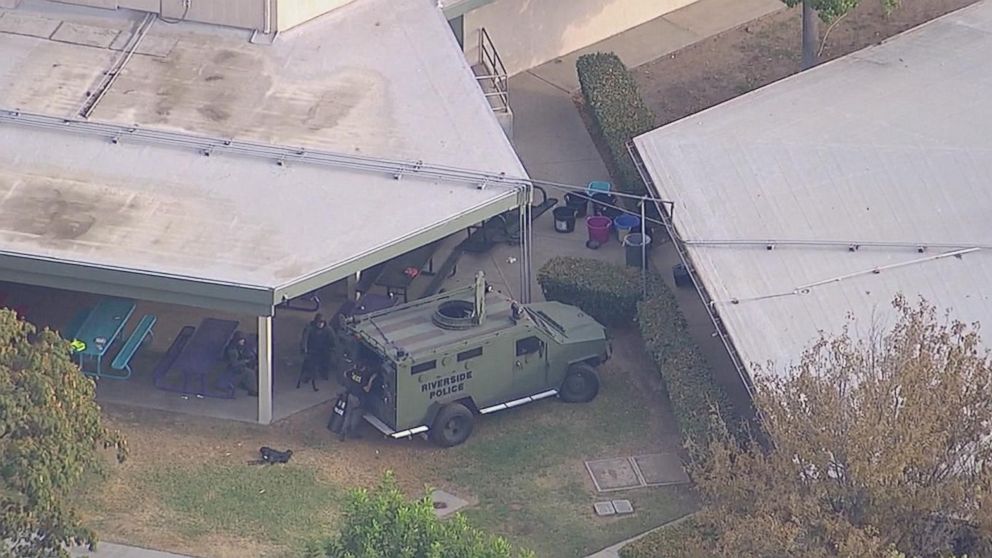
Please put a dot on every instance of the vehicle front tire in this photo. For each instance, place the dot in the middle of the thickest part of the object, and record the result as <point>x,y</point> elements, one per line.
<point>581,384</point>
<point>452,425</point>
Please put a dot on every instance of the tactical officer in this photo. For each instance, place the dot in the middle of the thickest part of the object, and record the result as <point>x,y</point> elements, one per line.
<point>320,348</point>
<point>242,364</point>
<point>311,325</point>
<point>359,380</point>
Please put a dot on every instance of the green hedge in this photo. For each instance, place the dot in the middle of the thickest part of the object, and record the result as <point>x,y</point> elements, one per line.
<point>692,390</point>
<point>617,110</point>
<point>605,291</point>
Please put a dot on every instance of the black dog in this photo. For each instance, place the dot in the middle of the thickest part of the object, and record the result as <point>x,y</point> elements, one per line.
<point>272,456</point>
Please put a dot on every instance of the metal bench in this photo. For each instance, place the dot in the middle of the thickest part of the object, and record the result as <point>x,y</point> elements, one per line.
<point>199,357</point>
<point>123,359</point>
<point>170,356</point>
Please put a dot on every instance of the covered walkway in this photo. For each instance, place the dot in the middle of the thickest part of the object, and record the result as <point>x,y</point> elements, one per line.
<point>214,173</point>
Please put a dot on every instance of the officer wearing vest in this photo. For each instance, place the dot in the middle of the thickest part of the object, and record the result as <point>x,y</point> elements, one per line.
<point>359,380</point>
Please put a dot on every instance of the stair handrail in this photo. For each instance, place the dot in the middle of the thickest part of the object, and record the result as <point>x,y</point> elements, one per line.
<point>490,59</point>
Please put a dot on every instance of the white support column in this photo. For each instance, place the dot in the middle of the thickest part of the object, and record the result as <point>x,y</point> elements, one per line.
<point>351,285</point>
<point>264,369</point>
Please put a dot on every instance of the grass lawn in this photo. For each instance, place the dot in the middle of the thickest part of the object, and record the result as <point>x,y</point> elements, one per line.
<point>188,487</point>
<point>286,504</point>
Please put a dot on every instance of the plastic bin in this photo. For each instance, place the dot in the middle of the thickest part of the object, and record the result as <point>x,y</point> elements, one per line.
<point>598,186</point>
<point>599,228</point>
<point>603,203</point>
<point>681,275</point>
<point>624,224</point>
<point>636,245</point>
<point>564,219</point>
<point>577,201</point>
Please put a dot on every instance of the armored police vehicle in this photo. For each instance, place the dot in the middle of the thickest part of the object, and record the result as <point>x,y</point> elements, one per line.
<point>444,359</point>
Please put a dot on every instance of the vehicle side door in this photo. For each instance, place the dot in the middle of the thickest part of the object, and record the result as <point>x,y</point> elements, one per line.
<point>530,365</point>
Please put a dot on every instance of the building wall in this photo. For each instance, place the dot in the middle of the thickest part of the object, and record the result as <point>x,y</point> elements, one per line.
<point>294,12</point>
<point>528,33</point>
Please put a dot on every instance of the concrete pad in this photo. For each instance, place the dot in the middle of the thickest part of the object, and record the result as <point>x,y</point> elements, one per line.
<point>613,474</point>
<point>446,503</point>
<point>87,35</point>
<point>660,469</point>
<point>604,509</point>
<point>636,46</point>
<point>549,134</point>
<point>709,17</point>
<point>53,308</point>
<point>151,45</point>
<point>623,507</point>
<point>25,24</point>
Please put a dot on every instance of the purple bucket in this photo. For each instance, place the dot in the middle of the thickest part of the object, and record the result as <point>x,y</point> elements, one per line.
<point>599,228</point>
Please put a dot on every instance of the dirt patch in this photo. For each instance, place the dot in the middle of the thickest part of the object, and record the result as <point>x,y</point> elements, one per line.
<point>765,50</point>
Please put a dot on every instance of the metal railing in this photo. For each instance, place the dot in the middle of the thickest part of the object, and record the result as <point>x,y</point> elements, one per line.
<point>494,79</point>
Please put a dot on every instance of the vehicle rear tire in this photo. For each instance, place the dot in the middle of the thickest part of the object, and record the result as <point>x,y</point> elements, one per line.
<point>581,384</point>
<point>452,425</point>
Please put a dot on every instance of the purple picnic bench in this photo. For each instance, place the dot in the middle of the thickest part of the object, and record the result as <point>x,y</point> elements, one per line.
<point>194,356</point>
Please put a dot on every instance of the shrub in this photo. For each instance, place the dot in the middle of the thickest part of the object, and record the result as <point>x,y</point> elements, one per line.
<point>692,390</point>
<point>617,110</point>
<point>382,523</point>
<point>605,291</point>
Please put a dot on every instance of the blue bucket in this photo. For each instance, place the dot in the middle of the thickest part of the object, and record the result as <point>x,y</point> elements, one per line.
<point>623,224</point>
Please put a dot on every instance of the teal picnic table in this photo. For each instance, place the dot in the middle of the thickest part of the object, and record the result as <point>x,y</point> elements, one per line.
<point>103,325</point>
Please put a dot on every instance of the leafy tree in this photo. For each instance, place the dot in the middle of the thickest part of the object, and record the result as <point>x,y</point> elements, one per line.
<point>50,434</point>
<point>830,12</point>
<point>877,446</point>
<point>381,523</point>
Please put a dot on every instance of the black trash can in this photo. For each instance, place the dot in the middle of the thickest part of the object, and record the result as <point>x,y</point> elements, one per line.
<point>649,231</point>
<point>564,219</point>
<point>601,202</point>
<point>681,275</point>
<point>577,201</point>
<point>636,245</point>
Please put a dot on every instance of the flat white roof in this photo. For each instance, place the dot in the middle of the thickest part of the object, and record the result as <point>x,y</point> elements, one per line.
<point>373,79</point>
<point>885,152</point>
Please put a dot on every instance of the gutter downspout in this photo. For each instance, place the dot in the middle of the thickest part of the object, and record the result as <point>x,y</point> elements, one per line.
<point>267,12</point>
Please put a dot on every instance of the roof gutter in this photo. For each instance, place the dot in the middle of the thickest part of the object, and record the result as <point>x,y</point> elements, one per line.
<point>454,224</point>
<point>143,285</point>
<point>455,8</point>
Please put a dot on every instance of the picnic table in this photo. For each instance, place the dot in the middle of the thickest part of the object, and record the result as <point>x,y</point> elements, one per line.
<point>200,356</point>
<point>99,330</point>
<point>400,271</point>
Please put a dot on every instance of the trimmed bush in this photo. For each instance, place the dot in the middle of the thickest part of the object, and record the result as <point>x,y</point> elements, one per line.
<point>617,110</point>
<point>382,523</point>
<point>692,390</point>
<point>605,291</point>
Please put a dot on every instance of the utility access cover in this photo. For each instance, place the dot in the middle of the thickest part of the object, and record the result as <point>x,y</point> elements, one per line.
<point>613,474</point>
<point>660,468</point>
<point>623,473</point>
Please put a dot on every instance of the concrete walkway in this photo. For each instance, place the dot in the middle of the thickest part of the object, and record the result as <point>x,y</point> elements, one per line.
<point>110,550</point>
<point>614,551</point>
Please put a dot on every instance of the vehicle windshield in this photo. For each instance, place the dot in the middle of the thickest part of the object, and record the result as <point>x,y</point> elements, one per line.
<point>549,325</point>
